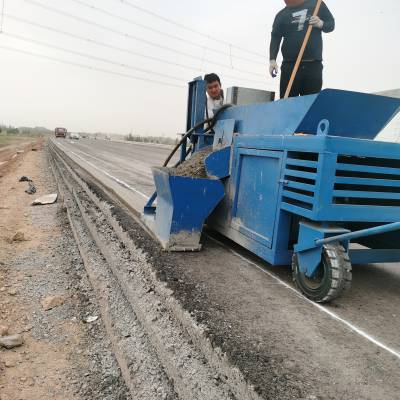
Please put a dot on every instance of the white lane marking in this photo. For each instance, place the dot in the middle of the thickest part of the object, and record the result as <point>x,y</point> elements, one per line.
<point>119,181</point>
<point>89,155</point>
<point>147,172</point>
<point>333,315</point>
<point>324,310</point>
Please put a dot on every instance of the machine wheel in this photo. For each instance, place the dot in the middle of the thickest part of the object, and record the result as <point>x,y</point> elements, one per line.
<point>333,275</point>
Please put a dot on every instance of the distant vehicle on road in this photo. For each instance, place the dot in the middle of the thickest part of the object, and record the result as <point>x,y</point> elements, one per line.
<point>60,133</point>
<point>74,136</point>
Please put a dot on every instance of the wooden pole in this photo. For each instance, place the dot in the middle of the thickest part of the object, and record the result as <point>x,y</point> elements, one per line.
<point>302,50</point>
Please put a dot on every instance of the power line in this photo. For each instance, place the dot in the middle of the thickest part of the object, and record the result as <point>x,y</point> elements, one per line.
<point>89,56</point>
<point>165,34</point>
<point>129,36</point>
<point>89,67</point>
<point>187,28</point>
<point>120,49</point>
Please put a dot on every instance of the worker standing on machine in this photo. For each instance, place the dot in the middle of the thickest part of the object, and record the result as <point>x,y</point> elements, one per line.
<point>215,94</point>
<point>291,24</point>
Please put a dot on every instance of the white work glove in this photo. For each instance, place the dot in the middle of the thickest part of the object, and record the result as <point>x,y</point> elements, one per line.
<point>273,68</point>
<point>316,22</point>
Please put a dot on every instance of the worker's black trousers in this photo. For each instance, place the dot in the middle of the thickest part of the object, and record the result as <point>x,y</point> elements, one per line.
<point>308,79</point>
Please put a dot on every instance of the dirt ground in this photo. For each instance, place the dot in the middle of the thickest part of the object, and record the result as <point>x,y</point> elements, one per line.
<point>12,152</point>
<point>63,355</point>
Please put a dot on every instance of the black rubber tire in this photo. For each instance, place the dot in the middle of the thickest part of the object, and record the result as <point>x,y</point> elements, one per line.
<point>333,275</point>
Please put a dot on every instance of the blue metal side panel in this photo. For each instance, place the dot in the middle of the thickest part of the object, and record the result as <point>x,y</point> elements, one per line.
<point>328,148</point>
<point>326,176</point>
<point>301,174</point>
<point>196,111</point>
<point>362,148</point>
<point>369,195</point>
<point>311,143</point>
<point>330,208</point>
<point>275,251</point>
<point>256,194</point>
<point>217,163</point>
<point>350,114</point>
<point>300,197</point>
<point>193,201</point>
<point>298,211</point>
<point>321,144</point>
<point>183,203</point>
<point>367,181</point>
<point>196,103</point>
<point>273,118</point>
<point>353,213</point>
<point>368,168</point>
<point>283,225</point>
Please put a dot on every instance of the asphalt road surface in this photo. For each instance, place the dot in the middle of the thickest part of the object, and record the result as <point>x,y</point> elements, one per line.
<point>352,345</point>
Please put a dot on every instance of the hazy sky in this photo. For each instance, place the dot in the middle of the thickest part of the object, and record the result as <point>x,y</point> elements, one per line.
<point>362,54</point>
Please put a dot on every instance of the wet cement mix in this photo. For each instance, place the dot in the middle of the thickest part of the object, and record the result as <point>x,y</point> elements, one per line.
<point>46,300</point>
<point>194,166</point>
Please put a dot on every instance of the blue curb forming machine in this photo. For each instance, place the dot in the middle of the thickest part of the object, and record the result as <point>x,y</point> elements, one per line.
<point>294,181</point>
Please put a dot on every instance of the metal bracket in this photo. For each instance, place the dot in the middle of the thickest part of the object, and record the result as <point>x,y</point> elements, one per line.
<point>149,209</point>
<point>223,133</point>
<point>323,127</point>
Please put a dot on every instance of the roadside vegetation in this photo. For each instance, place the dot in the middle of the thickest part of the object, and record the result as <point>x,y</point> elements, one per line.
<point>10,134</point>
<point>150,139</point>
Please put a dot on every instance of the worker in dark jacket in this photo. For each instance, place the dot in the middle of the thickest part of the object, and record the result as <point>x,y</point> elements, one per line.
<point>291,24</point>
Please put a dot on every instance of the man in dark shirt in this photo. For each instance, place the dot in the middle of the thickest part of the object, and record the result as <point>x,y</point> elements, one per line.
<point>291,24</point>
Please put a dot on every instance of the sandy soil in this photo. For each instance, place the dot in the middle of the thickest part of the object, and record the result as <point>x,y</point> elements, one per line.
<point>12,153</point>
<point>62,356</point>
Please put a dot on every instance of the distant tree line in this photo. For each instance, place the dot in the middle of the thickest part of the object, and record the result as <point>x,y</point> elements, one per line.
<point>24,131</point>
<point>41,131</point>
<point>150,139</point>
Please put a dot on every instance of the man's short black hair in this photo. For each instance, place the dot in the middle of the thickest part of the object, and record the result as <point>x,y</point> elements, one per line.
<point>210,78</point>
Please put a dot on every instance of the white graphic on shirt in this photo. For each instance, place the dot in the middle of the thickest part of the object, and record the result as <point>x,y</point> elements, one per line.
<point>300,18</point>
